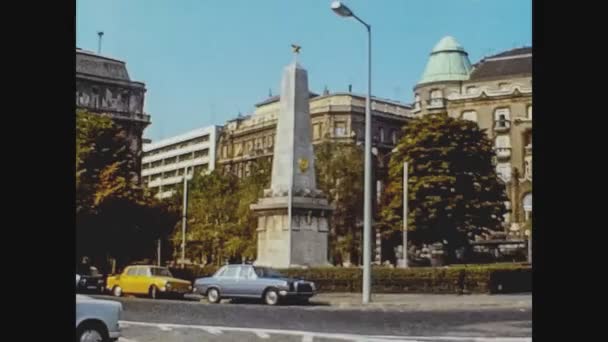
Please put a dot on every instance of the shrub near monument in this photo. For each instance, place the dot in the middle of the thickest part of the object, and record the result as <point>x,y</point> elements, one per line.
<point>498,278</point>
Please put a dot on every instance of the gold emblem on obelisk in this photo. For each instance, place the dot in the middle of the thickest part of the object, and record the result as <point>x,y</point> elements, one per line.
<point>303,163</point>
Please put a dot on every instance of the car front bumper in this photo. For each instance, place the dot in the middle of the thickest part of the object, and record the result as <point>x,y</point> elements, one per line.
<point>114,335</point>
<point>293,294</point>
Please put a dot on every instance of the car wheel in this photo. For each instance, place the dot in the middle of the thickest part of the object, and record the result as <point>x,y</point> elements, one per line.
<point>213,296</point>
<point>153,292</point>
<point>91,333</point>
<point>117,291</point>
<point>271,297</point>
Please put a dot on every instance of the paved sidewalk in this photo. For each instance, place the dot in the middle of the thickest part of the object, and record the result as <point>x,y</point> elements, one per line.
<point>428,301</point>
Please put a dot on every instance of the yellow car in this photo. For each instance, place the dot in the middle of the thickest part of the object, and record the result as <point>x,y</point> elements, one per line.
<point>147,280</point>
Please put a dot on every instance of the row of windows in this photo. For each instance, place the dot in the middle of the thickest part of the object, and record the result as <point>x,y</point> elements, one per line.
<point>247,147</point>
<point>502,116</point>
<point>340,130</point>
<point>176,159</point>
<point>175,173</point>
<point>179,145</point>
<point>436,95</point>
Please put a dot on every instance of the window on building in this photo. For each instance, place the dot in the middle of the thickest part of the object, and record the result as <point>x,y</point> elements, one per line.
<point>180,172</point>
<point>169,174</point>
<point>502,118</point>
<point>394,137</point>
<point>340,129</point>
<point>417,101</point>
<point>528,167</point>
<point>436,97</point>
<point>469,115</point>
<point>201,153</point>
<point>527,205</point>
<point>471,90</point>
<point>503,170</point>
<point>171,160</point>
<point>381,132</point>
<point>186,156</point>
<point>316,131</point>
<point>157,163</point>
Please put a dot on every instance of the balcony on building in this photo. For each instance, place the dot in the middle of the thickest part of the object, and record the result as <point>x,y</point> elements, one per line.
<point>503,152</point>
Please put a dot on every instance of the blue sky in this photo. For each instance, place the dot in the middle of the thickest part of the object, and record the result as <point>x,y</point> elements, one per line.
<point>203,61</point>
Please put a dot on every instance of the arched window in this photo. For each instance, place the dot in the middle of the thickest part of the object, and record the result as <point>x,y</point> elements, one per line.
<point>469,115</point>
<point>502,118</point>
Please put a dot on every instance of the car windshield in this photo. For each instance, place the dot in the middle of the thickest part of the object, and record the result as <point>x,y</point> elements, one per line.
<point>161,272</point>
<point>267,273</point>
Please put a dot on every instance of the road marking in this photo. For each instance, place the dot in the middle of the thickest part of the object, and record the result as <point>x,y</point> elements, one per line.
<point>261,334</point>
<point>165,328</point>
<point>211,330</point>
<point>308,335</point>
<point>307,338</point>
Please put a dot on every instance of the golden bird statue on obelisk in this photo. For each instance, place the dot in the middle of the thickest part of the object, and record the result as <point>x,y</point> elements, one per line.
<point>296,51</point>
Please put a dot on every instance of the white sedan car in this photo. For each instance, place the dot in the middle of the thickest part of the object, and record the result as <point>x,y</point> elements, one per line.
<point>97,320</point>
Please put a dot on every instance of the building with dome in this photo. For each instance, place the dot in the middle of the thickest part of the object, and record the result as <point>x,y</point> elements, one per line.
<point>496,92</point>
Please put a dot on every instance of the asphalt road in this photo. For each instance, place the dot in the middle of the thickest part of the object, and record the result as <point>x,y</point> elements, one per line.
<point>191,320</point>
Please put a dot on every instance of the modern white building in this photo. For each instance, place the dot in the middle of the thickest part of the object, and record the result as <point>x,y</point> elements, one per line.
<point>165,161</point>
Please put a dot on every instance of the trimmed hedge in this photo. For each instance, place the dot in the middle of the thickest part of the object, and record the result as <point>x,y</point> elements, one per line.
<point>497,278</point>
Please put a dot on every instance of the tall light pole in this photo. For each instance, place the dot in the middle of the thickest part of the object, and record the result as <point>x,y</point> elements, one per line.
<point>342,10</point>
<point>405,177</point>
<point>184,212</point>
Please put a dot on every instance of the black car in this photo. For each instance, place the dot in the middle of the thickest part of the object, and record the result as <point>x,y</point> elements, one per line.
<point>91,280</point>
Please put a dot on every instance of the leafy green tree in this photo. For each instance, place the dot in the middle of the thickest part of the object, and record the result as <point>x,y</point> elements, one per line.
<point>339,169</point>
<point>221,224</point>
<point>115,216</point>
<point>454,193</point>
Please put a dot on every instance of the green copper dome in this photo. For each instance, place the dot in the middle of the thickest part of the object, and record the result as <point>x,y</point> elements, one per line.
<point>448,62</point>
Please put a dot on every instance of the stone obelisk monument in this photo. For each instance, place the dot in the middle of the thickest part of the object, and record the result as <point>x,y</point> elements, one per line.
<point>293,214</point>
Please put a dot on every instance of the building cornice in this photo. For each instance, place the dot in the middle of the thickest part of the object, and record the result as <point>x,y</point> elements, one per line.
<point>487,93</point>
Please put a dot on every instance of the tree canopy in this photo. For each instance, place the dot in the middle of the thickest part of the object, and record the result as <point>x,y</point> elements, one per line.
<point>453,189</point>
<point>115,215</point>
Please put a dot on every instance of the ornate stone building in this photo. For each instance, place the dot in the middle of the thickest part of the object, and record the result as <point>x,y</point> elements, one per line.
<point>338,117</point>
<point>496,93</point>
<point>103,86</point>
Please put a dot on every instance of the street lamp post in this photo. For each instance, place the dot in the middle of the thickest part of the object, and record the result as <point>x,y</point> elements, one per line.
<point>184,212</point>
<point>342,10</point>
<point>405,178</point>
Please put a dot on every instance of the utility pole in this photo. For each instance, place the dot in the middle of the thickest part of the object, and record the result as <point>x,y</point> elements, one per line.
<point>184,215</point>
<point>405,177</point>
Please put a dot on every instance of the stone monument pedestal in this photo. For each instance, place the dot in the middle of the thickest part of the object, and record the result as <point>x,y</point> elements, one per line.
<point>307,245</point>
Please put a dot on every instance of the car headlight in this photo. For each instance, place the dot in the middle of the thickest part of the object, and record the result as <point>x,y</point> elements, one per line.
<point>168,285</point>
